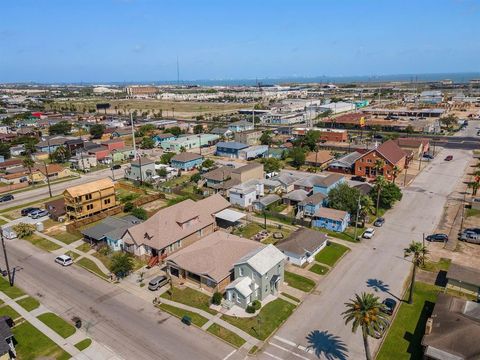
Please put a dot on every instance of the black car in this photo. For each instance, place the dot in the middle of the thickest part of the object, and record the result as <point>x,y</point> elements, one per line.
<point>116,167</point>
<point>379,222</point>
<point>390,305</point>
<point>428,156</point>
<point>359,178</point>
<point>437,238</point>
<point>7,197</point>
<point>28,210</point>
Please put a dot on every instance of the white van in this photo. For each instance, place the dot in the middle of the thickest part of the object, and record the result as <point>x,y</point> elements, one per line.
<point>64,260</point>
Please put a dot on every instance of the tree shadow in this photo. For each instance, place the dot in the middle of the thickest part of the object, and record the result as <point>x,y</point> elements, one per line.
<point>378,285</point>
<point>415,339</point>
<point>330,346</point>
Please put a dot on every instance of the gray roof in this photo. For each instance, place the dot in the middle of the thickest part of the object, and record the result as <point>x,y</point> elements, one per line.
<point>263,259</point>
<point>314,199</point>
<point>232,145</point>
<point>5,333</point>
<point>186,156</point>
<point>347,160</point>
<point>218,174</point>
<point>464,274</point>
<point>240,123</point>
<point>364,188</point>
<point>112,227</point>
<point>269,199</point>
<point>302,241</point>
<point>296,195</point>
<point>219,131</point>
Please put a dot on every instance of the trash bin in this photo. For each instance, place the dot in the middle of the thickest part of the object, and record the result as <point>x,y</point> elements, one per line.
<point>77,322</point>
<point>187,320</point>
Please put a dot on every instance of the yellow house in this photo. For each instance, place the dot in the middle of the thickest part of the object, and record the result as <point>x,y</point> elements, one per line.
<point>89,199</point>
<point>54,171</point>
<point>40,156</point>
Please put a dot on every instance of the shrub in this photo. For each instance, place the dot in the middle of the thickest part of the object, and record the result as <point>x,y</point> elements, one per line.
<point>256,304</point>
<point>23,229</point>
<point>121,264</point>
<point>128,206</point>
<point>217,298</point>
<point>139,213</point>
<point>195,178</point>
<point>104,250</point>
<point>250,309</point>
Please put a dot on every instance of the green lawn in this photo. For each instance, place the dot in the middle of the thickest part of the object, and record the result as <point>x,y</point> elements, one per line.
<point>11,291</point>
<point>403,340</point>
<point>29,303</point>
<point>72,254</point>
<point>90,265</point>
<point>41,242</point>
<point>197,319</point>
<point>226,335</point>
<point>57,324</point>
<point>331,253</point>
<point>2,222</point>
<point>472,212</point>
<point>32,344</point>
<point>8,311</point>
<point>291,297</point>
<point>82,345</point>
<point>270,317</point>
<point>299,282</point>
<point>65,237</point>
<point>190,297</point>
<point>347,235</point>
<point>442,264</point>
<point>319,269</point>
<point>253,228</point>
<point>85,247</point>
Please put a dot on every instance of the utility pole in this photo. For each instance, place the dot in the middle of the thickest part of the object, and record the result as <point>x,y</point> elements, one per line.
<point>48,179</point>
<point>133,137</point>
<point>200,143</point>
<point>405,177</point>
<point>6,258</point>
<point>356,219</point>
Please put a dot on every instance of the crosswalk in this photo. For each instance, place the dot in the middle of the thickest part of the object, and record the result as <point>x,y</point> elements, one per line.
<point>283,349</point>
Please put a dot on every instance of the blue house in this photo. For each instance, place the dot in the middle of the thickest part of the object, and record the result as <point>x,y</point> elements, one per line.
<point>186,161</point>
<point>328,183</point>
<point>311,204</point>
<point>159,138</point>
<point>230,149</point>
<point>240,126</point>
<point>331,219</point>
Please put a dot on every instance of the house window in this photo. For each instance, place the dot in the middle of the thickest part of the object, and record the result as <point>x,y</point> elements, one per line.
<point>89,206</point>
<point>240,272</point>
<point>106,201</point>
<point>359,168</point>
<point>88,197</point>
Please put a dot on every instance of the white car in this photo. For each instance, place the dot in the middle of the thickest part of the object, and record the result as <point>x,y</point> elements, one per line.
<point>64,260</point>
<point>368,234</point>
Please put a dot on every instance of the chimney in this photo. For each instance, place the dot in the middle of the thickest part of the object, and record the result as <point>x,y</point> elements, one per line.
<point>429,326</point>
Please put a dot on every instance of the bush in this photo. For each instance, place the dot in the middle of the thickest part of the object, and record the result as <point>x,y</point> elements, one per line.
<point>105,250</point>
<point>139,213</point>
<point>217,298</point>
<point>195,178</point>
<point>121,264</point>
<point>256,304</point>
<point>23,230</point>
<point>250,309</point>
<point>128,206</point>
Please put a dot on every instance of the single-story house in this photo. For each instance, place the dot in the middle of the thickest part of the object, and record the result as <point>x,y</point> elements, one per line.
<point>266,201</point>
<point>120,132</point>
<point>311,204</point>
<point>331,219</point>
<point>308,183</point>
<point>464,278</point>
<point>56,209</point>
<point>418,146</point>
<point>186,161</point>
<point>240,126</point>
<point>100,152</point>
<point>217,176</point>
<point>159,138</point>
<point>114,144</point>
<point>318,158</point>
<point>230,149</point>
<point>345,164</point>
<point>53,171</point>
<point>302,245</point>
<point>225,132</point>
<point>7,342</point>
<point>294,197</point>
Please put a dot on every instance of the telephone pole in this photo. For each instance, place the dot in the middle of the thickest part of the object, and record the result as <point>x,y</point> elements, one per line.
<point>6,258</point>
<point>48,179</point>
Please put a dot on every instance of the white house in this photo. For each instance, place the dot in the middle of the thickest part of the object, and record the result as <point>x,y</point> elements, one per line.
<point>245,194</point>
<point>302,246</point>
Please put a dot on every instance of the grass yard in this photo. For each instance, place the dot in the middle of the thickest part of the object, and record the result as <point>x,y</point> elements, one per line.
<point>331,253</point>
<point>29,303</point>
<point>72,254</point>
<point>347,235</point>
<point>291,297</point>
<point>82,345</point>
<point>319,269</point>
<point>403,340</point>
<point>105,259</point>
<point>190,297</point>
<point>226,335</point>
<point>57,324</point>
<point>299,282</point>
<point>41,242</point>
<point>8,311</point>
<point>249,230</point>
<point>11,291</point>
<point>32,344</point>
<point>442,264</point>
<point>2,222</point>
<point>270,317</point>
<point>90,265</point>
<point>472,212</point>
<point>197,319</point>
<point>65,236</point>
<point>85,247</point>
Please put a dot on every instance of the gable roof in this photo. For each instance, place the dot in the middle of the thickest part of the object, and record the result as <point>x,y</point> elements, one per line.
<point>90,187</point>
<point>464,274</point>
<point>332,214</point>
<point>390,151</point>
<point>319,157</point>
<point>330,179</point>
<point>315,199</point>
<point>347,160</point>
<point>296,195</point>
<point>263,259</point>
<point>111,227</point>
<point>214,255</point>
<point>218,174</point>
<point>186,156</point>
<point>302,241</point>
<point>232,145</point>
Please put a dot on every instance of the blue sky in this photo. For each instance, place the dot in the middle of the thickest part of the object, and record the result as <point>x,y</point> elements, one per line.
<point>139,40</point>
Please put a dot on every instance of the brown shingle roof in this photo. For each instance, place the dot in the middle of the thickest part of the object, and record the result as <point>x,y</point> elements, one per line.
<point>218,174</point>
<point>319,157</point>
<point>51,168</point>
<point>301,241</point>
<point>186,156</point>
<point>331,214</point>
<point>391,151</point>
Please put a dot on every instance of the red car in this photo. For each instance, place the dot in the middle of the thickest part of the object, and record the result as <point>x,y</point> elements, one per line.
<point>449,158</point>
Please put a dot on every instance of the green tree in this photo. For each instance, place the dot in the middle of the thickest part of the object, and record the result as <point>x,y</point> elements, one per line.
<point>198,129</point>
<point>311,139</point>
<point>298,157</point>
<point>409,129</point>
<point>61,154</point>
<point>389,194</point>
<point>380,182</point>
<point>343,197</point>
<point>166,157</point>
<point>5,150</point>
<point>147,143</point>
<point>97,130</point>
<point>208,163</point>
<point>60,128</point>
<point>183,149</point>
<point>30,145</point>
<point>271,165</point>
<point>449,121</point>
<point>395,171</point>
<point>140,213</point>
<point>29,164</point>
<point>418,254</point>
<point>266,138</point>
<point>23,229</point>
<point>162,172</point>
<point>366,312</point>
<point>175,130</point>
<point>121,264</point>
<point>195,178</point>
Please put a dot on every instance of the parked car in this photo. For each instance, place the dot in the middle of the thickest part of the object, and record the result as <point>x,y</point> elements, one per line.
<point>390,305</point>
<point>470,236</point>
<point>116,167</point>
<point>427,156</point>
<point>379,222</point>
<point>437,238</point>
<point>34,213</point>
<point>64,260</point>
<point>368,234</point>
<point>157,282</point>
<point>28,210</point>
<point>358,178</point>
<point>449,158</point>
<point>7,197</point>
<point>40,214</point>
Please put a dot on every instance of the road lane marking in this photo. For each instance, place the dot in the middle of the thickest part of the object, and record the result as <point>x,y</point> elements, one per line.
<point>273,356</point>
<point>226,357</point>
<point>289,351</point>
<point>288,342</point>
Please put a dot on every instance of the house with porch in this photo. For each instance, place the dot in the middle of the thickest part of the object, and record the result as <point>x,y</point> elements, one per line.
<point>311,204</point>
<point>186,161</point>
<point>245,194</point>
<point>331,219</point>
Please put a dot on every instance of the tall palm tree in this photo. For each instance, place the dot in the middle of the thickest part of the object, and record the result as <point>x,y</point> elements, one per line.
<point>474,185</point>
<point>29,164</point>
<point>418,254</point>
<point>380,182</point>
<point>368,313</point>
<point>379,165</point>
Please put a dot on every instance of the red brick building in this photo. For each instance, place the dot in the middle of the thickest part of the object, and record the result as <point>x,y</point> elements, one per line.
<point>114,144</point>
<point>391,155</point>
<point>333,135</point>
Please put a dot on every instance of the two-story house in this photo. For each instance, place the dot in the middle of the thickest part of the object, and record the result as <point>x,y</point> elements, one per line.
<point>311,204</point>
<point>89,199</point>
<point>141,170</point>
<point>245,194</point>
<point>240,126</point>
<point>328,183</point>
<point>331,219</point>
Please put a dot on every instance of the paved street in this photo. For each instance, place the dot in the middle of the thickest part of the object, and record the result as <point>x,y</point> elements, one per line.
<point>42,192</point>
<point>316,329</point>
<point>127,324</point>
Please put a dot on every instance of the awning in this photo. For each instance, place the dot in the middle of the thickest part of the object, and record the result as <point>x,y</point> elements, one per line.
<point>230,215</point>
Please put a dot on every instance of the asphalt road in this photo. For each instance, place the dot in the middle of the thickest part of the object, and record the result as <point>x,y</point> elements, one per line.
<point>376,265</point>
<point>128,325</point>
<point>42,192</point>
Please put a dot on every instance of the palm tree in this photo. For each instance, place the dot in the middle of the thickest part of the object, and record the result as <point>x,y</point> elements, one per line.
<point>418,253</point>
<point>368,313</point>
<point>379,165</point>
<point>29,164</point>
<point>395,172</point>
<point>474,185</point>
<point>380,182</point>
